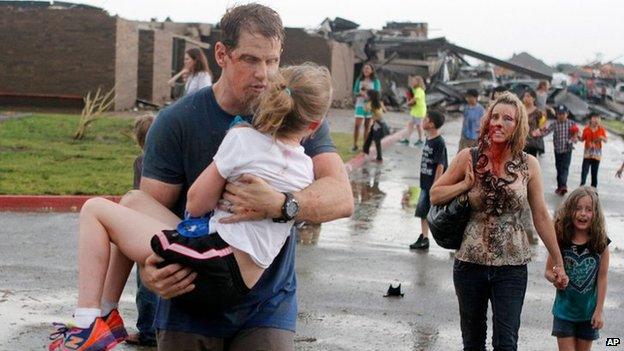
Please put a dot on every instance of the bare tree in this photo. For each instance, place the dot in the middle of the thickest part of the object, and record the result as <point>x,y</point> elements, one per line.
<point>93,109</point>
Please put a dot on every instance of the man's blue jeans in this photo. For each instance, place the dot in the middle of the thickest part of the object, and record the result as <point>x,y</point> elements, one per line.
<point>504,287</point>
<point>562,163</point>
<point>146,307</point>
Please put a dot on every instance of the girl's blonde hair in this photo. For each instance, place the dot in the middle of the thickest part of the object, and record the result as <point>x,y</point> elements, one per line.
<point>518,139</point>
<point>296,96</point>
<point>418,81</point>
<point>141,125</point>
<point>564,225</point>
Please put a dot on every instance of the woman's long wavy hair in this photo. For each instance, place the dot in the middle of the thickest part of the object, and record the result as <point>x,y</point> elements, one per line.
<point>200,61</point>
<point>295,97</point>
<point>518,138</point>
<point>564,220</point>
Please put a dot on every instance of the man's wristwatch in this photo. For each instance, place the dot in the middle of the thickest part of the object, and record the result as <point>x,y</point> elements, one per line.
<point>290,209</point>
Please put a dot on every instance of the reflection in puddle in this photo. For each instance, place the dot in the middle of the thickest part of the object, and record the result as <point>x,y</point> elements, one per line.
<point>309,234</point>
<point>367,196</point>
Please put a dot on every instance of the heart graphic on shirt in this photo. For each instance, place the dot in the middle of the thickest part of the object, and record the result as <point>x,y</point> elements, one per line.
<point>581,270</point>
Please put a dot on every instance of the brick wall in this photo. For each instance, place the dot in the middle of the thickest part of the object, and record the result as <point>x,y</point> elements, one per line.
<point>300,47</point>
<point>163,55</point>
<point>146,65</point>
<point>56,52</point>
<point>155,57</point>
<point>342,63</point>
<point>67,52</point>
<point>126,64</point>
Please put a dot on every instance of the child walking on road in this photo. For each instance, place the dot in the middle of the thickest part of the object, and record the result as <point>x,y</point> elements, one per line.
<point>228,258</point>
<point>564,137</point>
<point>418,109</point>
<point>378,129</point>
<point>582,238</point>
<point>433,163</point>
<point>593,136</point>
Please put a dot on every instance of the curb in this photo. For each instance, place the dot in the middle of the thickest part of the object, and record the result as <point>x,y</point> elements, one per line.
<point>360,159</point>
<point>46,203</point>
<point>73,203</point>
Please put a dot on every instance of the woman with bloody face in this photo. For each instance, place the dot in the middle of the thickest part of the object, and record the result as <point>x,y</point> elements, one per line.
<point>491,264</point>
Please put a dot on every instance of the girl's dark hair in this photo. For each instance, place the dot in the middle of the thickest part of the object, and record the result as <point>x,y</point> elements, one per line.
<point>201,64</point>
<point>564,225</point>
<point>530,92</point>
<point>373,75</point>
<point>296,96</point>
<point>437,117</point>
<point>498,89</point>
<point>375,98</point>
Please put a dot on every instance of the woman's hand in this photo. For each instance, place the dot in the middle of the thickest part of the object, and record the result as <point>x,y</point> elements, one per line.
<point>561,278</point>
<point>596,320</point>
<point>469,177</point>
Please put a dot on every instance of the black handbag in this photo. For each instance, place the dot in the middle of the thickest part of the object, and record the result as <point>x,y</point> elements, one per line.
<point>447,222</point>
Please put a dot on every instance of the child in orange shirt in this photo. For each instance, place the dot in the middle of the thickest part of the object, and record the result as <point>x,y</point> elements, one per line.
<point>593,136</point>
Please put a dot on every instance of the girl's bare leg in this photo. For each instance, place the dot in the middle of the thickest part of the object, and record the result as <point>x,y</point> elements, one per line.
<point>410,128</point>
<point>420,130</point>
<point>356,131</point>
<point>144,203</point>
<point>566,344</point>
<point>102,222</point>
<point>583,345</point>
<point>424,226</point>
<point>367,127</point>
<point>119,268</point>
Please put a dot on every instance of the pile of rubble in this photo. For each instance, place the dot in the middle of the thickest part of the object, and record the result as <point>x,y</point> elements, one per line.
<point>401,49</point>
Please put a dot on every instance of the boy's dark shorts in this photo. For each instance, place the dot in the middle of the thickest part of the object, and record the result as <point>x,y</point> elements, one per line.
<point>580,330</point>
<point>219,283</point>
<point>423,205</point>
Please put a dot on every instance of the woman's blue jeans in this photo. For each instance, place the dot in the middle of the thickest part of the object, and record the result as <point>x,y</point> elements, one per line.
<point>504,287</point>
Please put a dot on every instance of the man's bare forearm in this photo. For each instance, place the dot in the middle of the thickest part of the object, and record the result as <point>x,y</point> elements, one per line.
<point>325,200</point>
<point>330,196</point>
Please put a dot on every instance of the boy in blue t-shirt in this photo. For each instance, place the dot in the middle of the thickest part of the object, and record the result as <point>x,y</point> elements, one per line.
<point>473,111</point>
<point>433,163</point>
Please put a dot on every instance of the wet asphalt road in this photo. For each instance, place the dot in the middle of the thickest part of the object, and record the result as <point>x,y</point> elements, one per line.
<point>343,272</point>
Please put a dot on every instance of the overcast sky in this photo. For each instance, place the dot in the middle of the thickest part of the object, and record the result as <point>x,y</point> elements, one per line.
<point>555,31</point>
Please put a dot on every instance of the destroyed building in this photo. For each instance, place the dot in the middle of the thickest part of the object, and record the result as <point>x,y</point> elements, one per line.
<point>59,52</point>
<point>524,59</point>
<point>55,53</point>
<point>402,49</point>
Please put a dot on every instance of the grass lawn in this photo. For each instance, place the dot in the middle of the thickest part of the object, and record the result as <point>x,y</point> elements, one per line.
<point>38,155</point>
<point>614,125</point>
